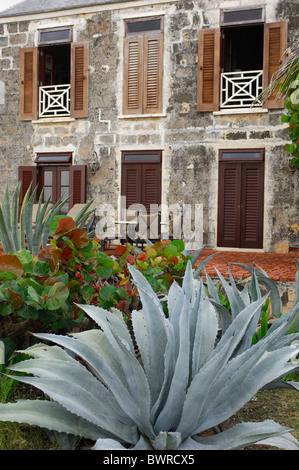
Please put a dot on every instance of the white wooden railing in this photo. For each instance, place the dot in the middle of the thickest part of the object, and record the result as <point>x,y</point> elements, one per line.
<point>240,89</point>
<point>54,100</point>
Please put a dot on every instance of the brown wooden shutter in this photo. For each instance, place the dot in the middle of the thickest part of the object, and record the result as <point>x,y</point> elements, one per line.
<point>141,184</point>
<point>78,184</point>
<point>27,175</point>
<point>252,205</point>
<point>275,43</point>
<point>143,71</point>
<point>79,80</point>
<point>229,205</point>
<point>133,57</point>
<point>28,83</point>
<point>208,84</point>
<point>152,91</point>
<point>151,185</point>
<point>131,183</point>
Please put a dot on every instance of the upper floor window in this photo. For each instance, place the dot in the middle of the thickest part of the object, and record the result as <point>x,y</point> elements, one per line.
<point>237,60</point>
<point>54,76</point>
<point>143,66</point>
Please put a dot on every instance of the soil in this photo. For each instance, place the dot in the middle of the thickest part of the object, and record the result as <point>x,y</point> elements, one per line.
<point>280,405</point>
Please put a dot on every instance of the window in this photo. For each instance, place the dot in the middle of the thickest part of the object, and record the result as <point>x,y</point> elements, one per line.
<point>141,178</point>
<point>143,57</point>
<point>237,61</point>
<point>57,177</point>
<point>54,76</point>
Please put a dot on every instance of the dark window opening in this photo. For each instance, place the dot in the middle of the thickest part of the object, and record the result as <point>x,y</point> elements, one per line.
<point>242,48</point>
<point>55,65</point>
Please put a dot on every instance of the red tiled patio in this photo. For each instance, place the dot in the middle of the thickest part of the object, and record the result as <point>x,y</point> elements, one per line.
<point>279,266</point>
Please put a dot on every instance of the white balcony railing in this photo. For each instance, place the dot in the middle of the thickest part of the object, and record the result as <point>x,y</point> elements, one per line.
<point>54,100</point>
<point>240,89</point>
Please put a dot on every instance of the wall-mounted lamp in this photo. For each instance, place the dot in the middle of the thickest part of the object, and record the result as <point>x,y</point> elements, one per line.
<point>94,164</point>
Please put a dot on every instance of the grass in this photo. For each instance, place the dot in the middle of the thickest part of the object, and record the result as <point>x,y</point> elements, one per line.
<point>280,405</point>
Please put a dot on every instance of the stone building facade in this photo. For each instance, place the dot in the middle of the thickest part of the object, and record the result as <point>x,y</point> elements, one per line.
<point>192,139</point>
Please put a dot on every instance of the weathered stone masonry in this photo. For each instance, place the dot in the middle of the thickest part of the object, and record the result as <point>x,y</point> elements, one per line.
<point>190,140</point>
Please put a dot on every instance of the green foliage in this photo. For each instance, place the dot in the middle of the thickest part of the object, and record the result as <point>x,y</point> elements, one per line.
<point>161,263</point>
<point>285,82</point>
<point>292,119</point>
<point>10,357</point>
<point>187,378</point>
<point>17,232</point>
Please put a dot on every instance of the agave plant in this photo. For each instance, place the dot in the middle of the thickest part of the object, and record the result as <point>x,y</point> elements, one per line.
<point>184,380</point>
<point>17,230</point>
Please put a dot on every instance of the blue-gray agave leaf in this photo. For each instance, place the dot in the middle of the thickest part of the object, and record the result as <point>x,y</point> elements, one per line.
<point>186,380</point>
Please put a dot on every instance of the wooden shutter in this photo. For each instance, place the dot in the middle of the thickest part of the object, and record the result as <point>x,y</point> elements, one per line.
<point>28,83</point>
<point>133,57</point>
<point>275,44</point>
<point>131,183</point>
<point>143,59</point>
<point>27,175</point>
<point>151,185</point>
<point>152,91</point>
<point>78,184</point>
<point>208,83</point>
<point>79,79</point>
<point>141,184</point>
<point>252,205</point>
<point>229,205</point>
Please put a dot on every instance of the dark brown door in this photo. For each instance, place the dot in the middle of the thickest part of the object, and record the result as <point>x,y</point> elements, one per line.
<point>141,179</point>
<point>240,204</point>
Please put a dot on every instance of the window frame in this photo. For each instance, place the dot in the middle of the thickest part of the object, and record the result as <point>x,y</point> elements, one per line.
<point>261,151</point>
<point>58,28</point>
<point>125,153</point>
<point>144,19</point>
<point>242,22</point>
<point>135,97</point>
<point>55,158</point>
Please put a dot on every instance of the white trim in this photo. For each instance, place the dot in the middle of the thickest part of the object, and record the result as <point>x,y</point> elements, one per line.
<point>141,116</point>
<point>53,120</point>
<point>240,111</point>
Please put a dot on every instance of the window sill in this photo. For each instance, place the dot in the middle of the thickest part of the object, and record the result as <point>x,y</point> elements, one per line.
<point>240,111</point>
<point>52,119</point>
<point>141,116</point>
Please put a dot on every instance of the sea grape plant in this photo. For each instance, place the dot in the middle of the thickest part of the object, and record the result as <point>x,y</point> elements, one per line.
<point>184,380</point>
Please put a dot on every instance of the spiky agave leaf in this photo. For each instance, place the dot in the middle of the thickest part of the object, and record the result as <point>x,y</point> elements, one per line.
<point>185,382</point>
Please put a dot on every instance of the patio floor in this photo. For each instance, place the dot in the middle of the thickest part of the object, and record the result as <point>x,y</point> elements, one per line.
<point>279,266</point>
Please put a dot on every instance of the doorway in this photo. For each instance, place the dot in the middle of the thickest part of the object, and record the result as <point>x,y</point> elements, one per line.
<point>241,198</point>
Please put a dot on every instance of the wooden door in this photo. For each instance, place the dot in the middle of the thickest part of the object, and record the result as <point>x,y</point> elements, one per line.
<point>141,179</point>
<point>240,204</point>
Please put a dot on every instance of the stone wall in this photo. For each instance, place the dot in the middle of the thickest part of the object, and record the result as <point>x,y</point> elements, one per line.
<point>190,140</point>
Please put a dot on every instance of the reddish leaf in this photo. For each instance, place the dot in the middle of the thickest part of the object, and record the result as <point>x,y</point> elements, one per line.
<point>64,225</point>
<point>15,298</point>
<point>130,259</point>
<point>11,263</point>
<point>120,249</point>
